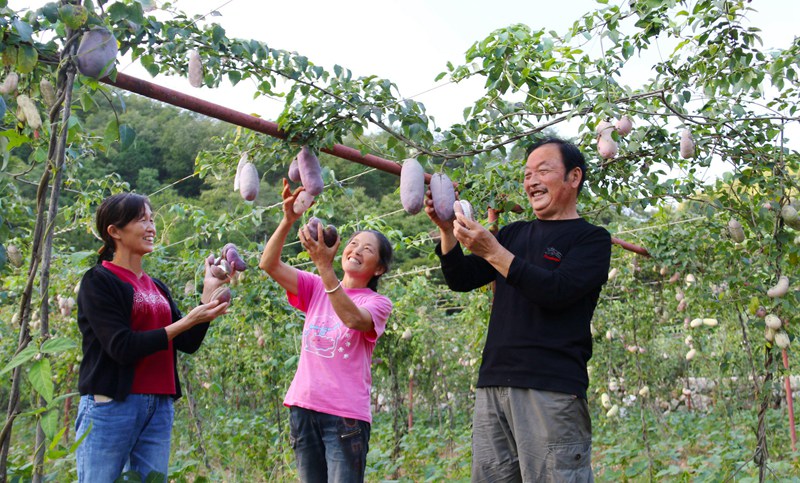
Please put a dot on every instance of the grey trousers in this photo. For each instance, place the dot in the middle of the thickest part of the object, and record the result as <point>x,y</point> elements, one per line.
<point>530,435</point>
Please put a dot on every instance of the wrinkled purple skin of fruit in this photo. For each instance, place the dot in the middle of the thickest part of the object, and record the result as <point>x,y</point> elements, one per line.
<point>231,253</point>
<point>219,272</point>
<point>223,294</point>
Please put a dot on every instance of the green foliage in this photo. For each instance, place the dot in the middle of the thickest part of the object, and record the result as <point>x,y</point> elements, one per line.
<point>735,96</point>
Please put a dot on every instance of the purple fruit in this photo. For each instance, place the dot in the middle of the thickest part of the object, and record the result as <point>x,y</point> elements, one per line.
<point>97,53</point>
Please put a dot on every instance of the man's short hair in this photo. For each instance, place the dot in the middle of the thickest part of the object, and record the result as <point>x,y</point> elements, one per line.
<point>571,156</point>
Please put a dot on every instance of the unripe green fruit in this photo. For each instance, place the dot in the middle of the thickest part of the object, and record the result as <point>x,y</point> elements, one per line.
<point>780,288</point>
<point>195,69</point>
<point>782,339</point>
<point>48,92</point>
<point>735,230</point>
<point>772,321</point>
<point>27,57</point>
<point>73,16</point>
<point>687,144</point>
<point>9,85</point>
<point>14,255</point>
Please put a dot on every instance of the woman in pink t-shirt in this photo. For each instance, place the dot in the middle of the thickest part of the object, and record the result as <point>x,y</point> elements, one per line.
<point>329,396</point>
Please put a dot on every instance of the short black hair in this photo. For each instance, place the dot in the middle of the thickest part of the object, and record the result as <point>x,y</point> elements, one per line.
<point>118,210</point>
<point>571,156</point>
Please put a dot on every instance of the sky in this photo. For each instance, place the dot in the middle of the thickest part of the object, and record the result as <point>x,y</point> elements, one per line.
<point>408,42</point>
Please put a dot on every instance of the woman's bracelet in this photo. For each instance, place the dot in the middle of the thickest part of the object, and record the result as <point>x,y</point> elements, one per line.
<point>337,287</point>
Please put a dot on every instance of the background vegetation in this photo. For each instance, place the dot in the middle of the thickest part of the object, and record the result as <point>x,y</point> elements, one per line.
<point>717,415</point>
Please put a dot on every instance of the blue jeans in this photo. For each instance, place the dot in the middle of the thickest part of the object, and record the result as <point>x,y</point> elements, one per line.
<point>328,448</point>
<point>129,435</point>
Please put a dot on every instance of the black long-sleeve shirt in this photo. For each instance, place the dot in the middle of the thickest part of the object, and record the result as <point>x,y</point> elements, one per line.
<point>539,329</point>
<point>110,347</point>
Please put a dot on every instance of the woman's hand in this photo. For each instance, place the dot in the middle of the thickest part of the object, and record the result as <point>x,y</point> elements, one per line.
<point>207,312</point>
<point>198,315</point>
<point>321,254</point>
<point>211,283</point>
<point>289,198</point>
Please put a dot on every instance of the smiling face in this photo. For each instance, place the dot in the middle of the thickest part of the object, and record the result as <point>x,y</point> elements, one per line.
<point>552,192</point>
<point>361,258</point>
<point>137,236</point>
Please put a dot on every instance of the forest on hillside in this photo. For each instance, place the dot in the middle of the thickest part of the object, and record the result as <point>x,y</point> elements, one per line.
<point>687,381</point>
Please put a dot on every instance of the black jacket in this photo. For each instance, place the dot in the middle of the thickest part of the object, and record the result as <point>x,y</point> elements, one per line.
<point>110,348</point>
<point>539,328</point>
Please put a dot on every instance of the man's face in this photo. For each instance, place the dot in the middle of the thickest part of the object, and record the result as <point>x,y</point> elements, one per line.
<point>552,195</point>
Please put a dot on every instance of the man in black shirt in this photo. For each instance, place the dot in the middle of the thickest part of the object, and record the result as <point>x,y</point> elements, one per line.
<point>531,420</point>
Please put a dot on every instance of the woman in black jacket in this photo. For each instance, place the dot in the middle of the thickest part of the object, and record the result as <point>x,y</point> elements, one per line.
<point>132,331</point>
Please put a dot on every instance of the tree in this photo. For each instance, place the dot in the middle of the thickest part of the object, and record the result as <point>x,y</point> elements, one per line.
<point>734,98</point>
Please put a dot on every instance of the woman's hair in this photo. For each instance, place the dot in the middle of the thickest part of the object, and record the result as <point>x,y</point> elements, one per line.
<point>117,210</point>
<point>385,254</point>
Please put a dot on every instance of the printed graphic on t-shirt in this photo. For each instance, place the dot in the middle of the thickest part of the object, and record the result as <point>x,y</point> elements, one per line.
<point>326,337</point>
<point>552,254</point>
<point>152,303</point>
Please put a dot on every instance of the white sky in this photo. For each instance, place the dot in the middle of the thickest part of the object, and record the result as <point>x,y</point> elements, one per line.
<point>408,42</point>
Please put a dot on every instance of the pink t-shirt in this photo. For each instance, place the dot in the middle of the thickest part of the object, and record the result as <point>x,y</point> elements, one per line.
<point>333,375</point>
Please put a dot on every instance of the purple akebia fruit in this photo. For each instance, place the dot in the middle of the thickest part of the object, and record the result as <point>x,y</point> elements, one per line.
<point>231,254</point>
<point>313,227</point>
<point>294,171</point>
<point>223,294</point>
<point>443,195</point>
<point>330,235</point>
<point>310,171</point>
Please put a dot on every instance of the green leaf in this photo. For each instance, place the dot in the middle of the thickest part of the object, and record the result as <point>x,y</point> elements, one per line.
<point>49,421</point>
<point>78,258</point>
<point>217,34</point>
<point>57,344</point>
<point>15,139</point>
<point>126,136</point>
<point>24,356</point>
<point>23,30</point>
<point>41,378</point>
<point>111,133</point>
<point>49,11</point>
<point>54,441</point>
